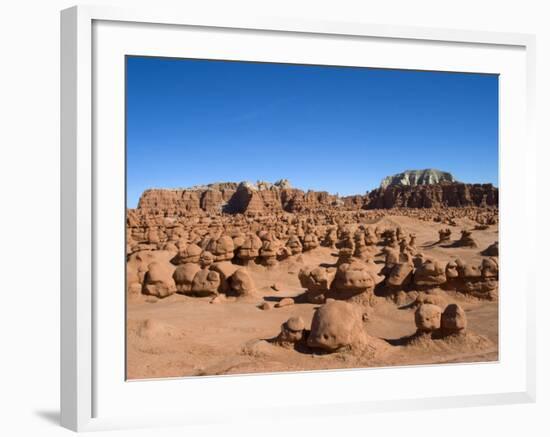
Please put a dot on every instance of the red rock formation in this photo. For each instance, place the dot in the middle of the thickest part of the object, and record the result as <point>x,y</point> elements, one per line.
<point>170,201</point>
<point>246,198</point>
<point>429,196</point>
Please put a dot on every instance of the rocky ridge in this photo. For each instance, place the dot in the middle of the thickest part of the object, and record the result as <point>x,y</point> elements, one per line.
<point>247,198</point>
<point>427,176</point>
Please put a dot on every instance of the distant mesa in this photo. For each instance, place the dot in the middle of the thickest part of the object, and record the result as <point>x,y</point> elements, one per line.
<point>428,176</point>
<point>411,189</point>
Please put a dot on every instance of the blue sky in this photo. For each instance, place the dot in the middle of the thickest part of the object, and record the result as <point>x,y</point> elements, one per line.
<point>336,129</point>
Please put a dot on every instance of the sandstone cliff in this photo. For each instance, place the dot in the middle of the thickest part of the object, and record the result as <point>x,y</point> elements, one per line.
<point>246,198</point>
<point>429,196</point>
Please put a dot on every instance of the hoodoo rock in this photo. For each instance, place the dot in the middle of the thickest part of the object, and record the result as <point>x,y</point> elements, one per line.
<point>291,331</point>
<point>337,325</point>
<point>453,319</point>
<point>427,317</point>
<point>317,281</point>
<point>430,273</point>
<point>158,280</point>
<point>354,279</point>
<point>206,282</point>
<point>241,284</point>
<point>190,253</point>
<point>183,277</point>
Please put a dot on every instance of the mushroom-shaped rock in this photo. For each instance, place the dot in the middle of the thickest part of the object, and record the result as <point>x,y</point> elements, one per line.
<point>468,271</point>
<point>331,238</point>
<point>206,259</point>
<point>222,248</point>
<point>444,235</point>
<point>189,253</point>
<point>206,282</point>
<point>310,241</point>
<point>294,245</point>
<point>270,249</point>
<point>489,267</point>
<point>238,240</point>
<point>427,317</point>
<point>370,237</point>
<point>346,241</point>
<point>344,256</point>
<point>466,240</point>
<point>391,257</point>
<point>337,325</point>
<point>430,273</point>
<point>361,249</point>
<point>451,270</point>
<point>292,331</point>
<point>316,279</point>
<point>158,280</point>
<point>183,277</point>
<point>354,277</point>
<point>400,276</point>
<point>453,319</point>
<point>241,283</point>
<point>225,269</point>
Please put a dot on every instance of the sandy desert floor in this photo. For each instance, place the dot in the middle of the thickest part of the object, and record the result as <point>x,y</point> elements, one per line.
<point>183,335</point>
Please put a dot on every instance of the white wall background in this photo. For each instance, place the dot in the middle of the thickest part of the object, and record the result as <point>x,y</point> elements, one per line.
<point>29,214</point>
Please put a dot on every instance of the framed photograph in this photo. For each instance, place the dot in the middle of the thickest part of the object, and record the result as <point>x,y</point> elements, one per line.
<point>275,217</point>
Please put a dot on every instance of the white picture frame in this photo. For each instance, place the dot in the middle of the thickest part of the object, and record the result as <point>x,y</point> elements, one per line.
<point>85,371</point>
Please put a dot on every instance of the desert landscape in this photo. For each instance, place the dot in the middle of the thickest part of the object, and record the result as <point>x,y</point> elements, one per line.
<point>239,277</point>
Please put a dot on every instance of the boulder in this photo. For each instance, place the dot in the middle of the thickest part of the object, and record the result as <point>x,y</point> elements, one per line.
<point>489,267</point>
<point>337,325</point>
<point>427,317</point>
<point>310,242</point>
<point>206,282</point>
<point>225,269</point>
<point>430,273</point>
<point>271,247</point>
<point>292,331</point>
<point>189,253</point>
<point>294,245</point>
<point>206,259</point>
<point>241,284</point>
<point>266,306</point>
<point>183,277</point>
<point>222,248</point>
<point>317,281</point>
<point>284,302</point>
<point>352,279</point>
<point>400,276</point>
<point>158,280</point>
<point>453,319</point>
